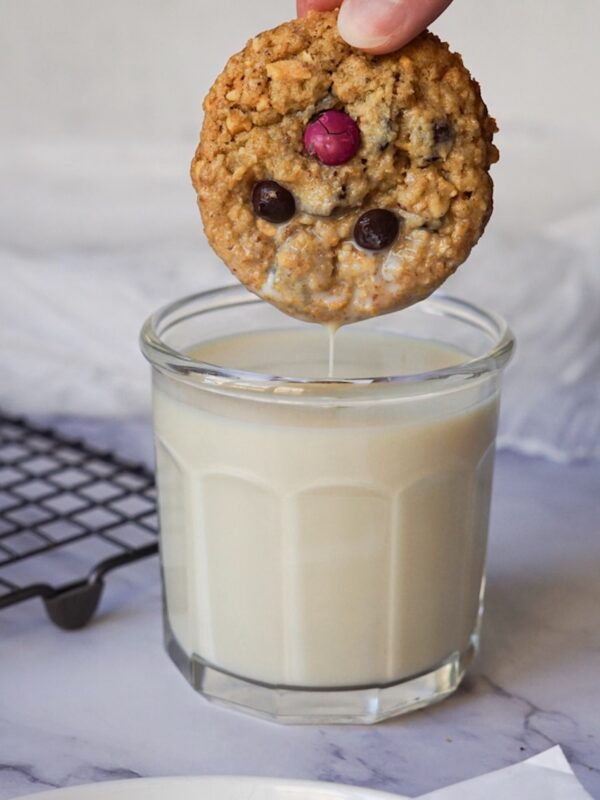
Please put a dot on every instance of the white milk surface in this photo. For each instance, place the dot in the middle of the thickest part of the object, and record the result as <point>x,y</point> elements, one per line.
<point>324,546</point>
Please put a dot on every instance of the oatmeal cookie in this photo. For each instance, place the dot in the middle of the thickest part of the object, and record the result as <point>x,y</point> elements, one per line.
<point>339,185</point>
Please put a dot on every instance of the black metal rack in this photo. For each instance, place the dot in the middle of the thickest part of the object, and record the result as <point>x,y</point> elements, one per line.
<point>69,514</point>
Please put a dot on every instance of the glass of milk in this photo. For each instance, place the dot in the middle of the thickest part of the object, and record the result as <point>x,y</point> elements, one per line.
<point>323,534</point>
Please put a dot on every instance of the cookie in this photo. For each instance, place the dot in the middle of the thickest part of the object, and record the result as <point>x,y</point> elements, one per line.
<point>339,185</point>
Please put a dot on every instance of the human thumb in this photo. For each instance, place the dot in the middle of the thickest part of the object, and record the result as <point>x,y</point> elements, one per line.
<point>382,26</point>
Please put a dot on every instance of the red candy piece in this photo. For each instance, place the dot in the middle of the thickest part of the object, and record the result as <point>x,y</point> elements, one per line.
<point>333,137</point>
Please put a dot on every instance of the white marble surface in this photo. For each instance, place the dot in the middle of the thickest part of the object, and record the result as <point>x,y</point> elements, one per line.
<point>106,703</point>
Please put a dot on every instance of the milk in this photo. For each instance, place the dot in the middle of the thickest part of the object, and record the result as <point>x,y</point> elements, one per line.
<point>315,541</point>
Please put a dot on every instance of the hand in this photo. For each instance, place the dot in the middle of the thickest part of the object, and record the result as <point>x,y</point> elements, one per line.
<point>379,26</point>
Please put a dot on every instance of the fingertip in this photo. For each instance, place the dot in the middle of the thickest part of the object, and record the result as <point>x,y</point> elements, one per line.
<point>304,6</point>
<point>382,26</point>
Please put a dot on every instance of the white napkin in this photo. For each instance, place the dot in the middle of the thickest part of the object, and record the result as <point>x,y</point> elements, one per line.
<point>547,776</point>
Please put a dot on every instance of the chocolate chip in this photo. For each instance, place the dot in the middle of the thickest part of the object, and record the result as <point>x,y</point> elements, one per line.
<point>272,202</point>
<point>442,132</point>
<point>376,229</point>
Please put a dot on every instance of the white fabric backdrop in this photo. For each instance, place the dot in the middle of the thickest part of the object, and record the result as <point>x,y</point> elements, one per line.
<point>98,223</point>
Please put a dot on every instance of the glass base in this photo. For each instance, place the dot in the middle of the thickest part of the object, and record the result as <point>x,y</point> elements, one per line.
<point>314,706</point>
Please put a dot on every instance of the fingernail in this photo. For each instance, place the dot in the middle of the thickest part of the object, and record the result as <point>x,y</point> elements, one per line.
<point>371,25</point>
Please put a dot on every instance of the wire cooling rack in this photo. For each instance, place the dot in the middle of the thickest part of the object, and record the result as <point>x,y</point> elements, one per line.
<point>69,514</point>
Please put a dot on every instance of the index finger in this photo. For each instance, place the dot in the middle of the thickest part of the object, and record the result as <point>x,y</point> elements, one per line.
<point>304,6</point>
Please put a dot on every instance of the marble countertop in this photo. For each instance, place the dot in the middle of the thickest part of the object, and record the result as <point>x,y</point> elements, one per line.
<point>106,703</point>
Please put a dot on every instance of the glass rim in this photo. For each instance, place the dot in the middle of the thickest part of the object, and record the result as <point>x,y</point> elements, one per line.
<point>163,356</point>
